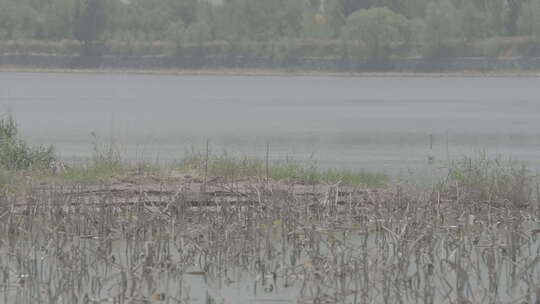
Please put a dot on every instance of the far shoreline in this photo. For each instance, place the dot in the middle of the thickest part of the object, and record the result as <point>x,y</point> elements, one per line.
<point>271,72</point>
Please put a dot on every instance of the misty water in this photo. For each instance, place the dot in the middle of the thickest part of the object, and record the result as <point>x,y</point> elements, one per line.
<point>379,124</point>
<point>236,285</point>
<point>386,124</point>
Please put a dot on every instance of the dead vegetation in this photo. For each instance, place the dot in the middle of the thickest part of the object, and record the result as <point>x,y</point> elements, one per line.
<point>226,230</point>
<point>466,240</point>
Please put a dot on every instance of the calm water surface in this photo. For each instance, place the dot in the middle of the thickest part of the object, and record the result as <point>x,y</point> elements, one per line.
<point>380,124</point>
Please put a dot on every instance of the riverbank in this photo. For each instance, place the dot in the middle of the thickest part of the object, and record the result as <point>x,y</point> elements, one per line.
<point>267,66</point>
<point>268,72</point>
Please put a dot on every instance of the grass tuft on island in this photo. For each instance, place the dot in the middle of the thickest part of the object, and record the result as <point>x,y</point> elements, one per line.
<point>288,170</point>
<point>22,165</point>
<point>227,167</point>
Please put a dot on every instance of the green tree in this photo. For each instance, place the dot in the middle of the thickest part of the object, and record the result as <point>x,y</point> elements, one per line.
<point>513,9</point>
<point>473,22</point>
<point>176,33</point>
<point>441,27</point>
<point>57,20</point>
<point>19,20</point>
<point>333,10</point>
<point>90,25</point>
<point>417,29</point>
<point>153,22</point>
<point>90,20</point>
<point>198,32</point>
<point>379,28</point>
<point>207,14</point>
<point>529,22</point>
<point>350,6</point>
<point>316,26</point>
<point>261,20</point>
<point>187,10</point>
<point>9,19</point>
<point>495,11</point>
<point>409,8</point>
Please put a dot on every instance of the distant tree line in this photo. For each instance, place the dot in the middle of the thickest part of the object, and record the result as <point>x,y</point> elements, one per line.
<point>367,28</point>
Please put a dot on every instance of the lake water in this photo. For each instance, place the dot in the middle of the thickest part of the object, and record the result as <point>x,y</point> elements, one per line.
<point>378,124</point>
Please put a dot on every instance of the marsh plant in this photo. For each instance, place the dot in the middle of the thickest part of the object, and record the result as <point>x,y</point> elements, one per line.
<point>466,240</point>
<point>288,170</point>
<point>15,153</point>
<point>496,181</point>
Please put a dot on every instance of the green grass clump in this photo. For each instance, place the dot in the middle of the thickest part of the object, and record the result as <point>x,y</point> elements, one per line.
<point>15,154</point>
<point>106,163</point>
<point>491,180</point>
<point>287,170</point>
<point>91,173</point>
